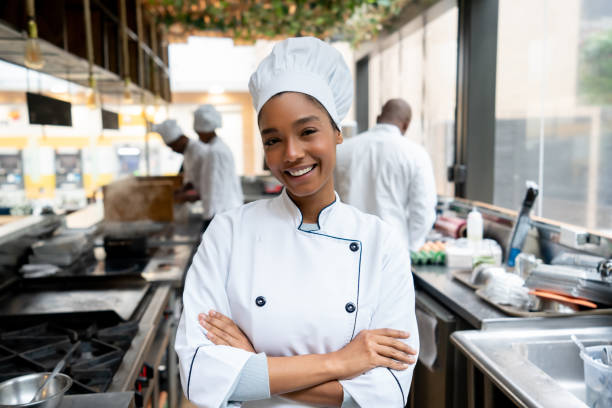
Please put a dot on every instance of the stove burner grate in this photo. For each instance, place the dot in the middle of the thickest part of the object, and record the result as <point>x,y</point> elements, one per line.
<point>29,347</point>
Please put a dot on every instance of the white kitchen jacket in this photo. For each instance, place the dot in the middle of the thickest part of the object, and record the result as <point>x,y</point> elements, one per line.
<point>295,292</point>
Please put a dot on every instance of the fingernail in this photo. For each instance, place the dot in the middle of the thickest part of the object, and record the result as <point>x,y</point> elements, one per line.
<point>212,313</point>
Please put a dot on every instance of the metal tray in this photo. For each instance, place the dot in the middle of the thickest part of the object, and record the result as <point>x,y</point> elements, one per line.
<point>513,311</point>
<point>463,276</point>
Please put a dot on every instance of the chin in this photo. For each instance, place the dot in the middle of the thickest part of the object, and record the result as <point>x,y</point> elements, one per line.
<point>302,191</point>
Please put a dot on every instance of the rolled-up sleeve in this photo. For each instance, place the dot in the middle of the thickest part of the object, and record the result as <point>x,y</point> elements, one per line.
<point>382,387</point>
<point>209,373</point>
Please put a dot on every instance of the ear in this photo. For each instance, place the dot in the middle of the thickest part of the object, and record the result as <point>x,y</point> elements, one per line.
<point>339,137</point>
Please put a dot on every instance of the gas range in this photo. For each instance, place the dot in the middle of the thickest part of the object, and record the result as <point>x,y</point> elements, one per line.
<point>33,344</point>
<point>102,318</point>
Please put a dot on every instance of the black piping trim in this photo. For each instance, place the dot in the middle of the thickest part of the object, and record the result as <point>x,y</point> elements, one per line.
<point>404,402</point>
<point>318,215</point>
<point>358,273</point>
<point>190,368</point>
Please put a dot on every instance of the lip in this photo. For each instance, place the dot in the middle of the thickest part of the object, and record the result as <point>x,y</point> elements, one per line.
<point>287,173</point>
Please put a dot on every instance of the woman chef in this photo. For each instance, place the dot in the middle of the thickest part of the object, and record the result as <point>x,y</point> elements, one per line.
<point>300,300</point>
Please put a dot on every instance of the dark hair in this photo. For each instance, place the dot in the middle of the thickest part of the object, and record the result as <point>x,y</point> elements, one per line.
<point>313,99</point>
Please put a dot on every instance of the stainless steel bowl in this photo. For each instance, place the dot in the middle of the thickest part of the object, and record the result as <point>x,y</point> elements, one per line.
<point>19,391</point>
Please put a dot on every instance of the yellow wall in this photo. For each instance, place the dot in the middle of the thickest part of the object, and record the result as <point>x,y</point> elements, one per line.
<point>248,117</point>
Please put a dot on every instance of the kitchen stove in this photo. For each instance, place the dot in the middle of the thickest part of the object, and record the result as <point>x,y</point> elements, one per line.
<point>35,344</point>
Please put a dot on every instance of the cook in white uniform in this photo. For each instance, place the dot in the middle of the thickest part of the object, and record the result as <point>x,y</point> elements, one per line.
<point>208,167</point>
<point>218,186</point>
<point>300,300</point>
<point>383,173</point>
<point>192,151</point>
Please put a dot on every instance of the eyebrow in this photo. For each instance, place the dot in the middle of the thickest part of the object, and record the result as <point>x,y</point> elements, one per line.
<point>296,123</point>
<point>306,120</point>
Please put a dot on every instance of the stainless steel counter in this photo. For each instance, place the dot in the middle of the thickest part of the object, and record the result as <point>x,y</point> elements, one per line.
<point>134,358</point>
<point>438,282</point>
<point>533,361</point>
<point>106,400</point>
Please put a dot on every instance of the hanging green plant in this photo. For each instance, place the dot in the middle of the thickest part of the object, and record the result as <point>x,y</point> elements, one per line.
<point>249,20</point>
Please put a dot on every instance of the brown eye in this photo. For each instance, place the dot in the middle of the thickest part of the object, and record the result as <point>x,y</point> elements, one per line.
<point>309,131</point>
<point>271,141</point>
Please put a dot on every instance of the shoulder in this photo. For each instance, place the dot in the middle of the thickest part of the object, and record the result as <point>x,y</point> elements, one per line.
<point>248,214</point>
<point>358,223</point>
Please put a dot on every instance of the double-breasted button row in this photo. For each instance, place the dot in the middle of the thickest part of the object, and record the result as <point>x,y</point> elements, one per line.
<point>349,307</point>
<point>354,246</point>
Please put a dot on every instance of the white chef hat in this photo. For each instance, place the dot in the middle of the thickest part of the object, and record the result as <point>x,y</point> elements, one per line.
<point>169,130</point>
<point>306,65</point>
<point>206,119</point>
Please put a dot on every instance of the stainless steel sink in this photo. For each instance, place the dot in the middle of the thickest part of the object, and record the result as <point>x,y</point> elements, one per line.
<point>534,361</point>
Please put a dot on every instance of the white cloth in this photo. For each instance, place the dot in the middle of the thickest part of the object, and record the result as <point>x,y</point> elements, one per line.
<point>306,278</point>
<point>206,119</point>
<point>306,65</point>
<point>193,156</point>
<point>169,130</point>
<point>383,173</point>
<point>210,168</point>
<point>428,354</point>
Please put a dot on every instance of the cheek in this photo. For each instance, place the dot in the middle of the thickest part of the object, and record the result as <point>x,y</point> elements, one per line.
<point>326,150</point>
<point>271,158</point>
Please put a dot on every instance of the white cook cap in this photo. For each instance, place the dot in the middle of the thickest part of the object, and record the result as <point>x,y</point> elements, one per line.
<point>206,119</point>
<point>306,65</point>
<point>169,130</point>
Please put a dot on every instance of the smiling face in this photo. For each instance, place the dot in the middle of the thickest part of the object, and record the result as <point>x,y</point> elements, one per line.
<point>300,145</point>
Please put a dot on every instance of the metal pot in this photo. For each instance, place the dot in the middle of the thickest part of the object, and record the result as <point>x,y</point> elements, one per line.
<point>19,391</point>
<point>125,247</point>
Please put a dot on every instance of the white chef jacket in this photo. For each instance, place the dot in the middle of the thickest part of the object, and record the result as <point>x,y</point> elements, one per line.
<point>295,292</point>
<point>192,160</point>
<point>210,168</point>
<point>383,173</point>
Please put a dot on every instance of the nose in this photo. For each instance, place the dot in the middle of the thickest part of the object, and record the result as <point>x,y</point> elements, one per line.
<point>293,150</point>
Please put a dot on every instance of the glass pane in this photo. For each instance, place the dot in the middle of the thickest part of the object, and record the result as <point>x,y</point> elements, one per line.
<point>421,68</point>
<point>439,94</point>
<point>554,108</point>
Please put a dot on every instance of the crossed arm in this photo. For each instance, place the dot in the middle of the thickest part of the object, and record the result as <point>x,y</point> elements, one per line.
<point>314,378</point>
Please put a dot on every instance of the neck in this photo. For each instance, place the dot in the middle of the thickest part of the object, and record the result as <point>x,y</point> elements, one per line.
<point>207,137</point>
<point>310,206</point>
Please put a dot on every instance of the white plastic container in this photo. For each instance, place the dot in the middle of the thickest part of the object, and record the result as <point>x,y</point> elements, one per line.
<point>474,227</point>
<point>597,378</point>
<point>460,253</point>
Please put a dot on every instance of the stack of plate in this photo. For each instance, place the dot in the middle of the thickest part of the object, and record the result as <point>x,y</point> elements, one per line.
<point>571,281</point>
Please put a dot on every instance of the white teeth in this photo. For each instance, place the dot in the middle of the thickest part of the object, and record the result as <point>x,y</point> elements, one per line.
<point>298,173</point>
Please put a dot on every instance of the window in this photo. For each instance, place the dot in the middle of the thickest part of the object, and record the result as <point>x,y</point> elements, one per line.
<point>554,108</point>
<point>419,64</point>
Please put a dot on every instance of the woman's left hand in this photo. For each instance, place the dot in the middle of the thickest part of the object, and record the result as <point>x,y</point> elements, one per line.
<point>222,330</point>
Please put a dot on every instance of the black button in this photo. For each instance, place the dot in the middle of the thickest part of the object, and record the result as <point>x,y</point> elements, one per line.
<point>260,301</point>
<point>354,246</point>
<point>350,307</point>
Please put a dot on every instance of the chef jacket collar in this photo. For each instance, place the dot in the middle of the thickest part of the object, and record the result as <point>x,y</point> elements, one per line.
<point>296,214</point>
<point>387,127</point>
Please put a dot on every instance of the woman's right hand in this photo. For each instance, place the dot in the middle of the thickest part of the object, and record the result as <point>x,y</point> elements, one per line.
<point>374,348</point>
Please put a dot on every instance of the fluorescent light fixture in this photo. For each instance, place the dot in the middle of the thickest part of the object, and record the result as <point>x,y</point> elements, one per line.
<point>58,89</point>
<point>216,90</point>
<point>128,151</point>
